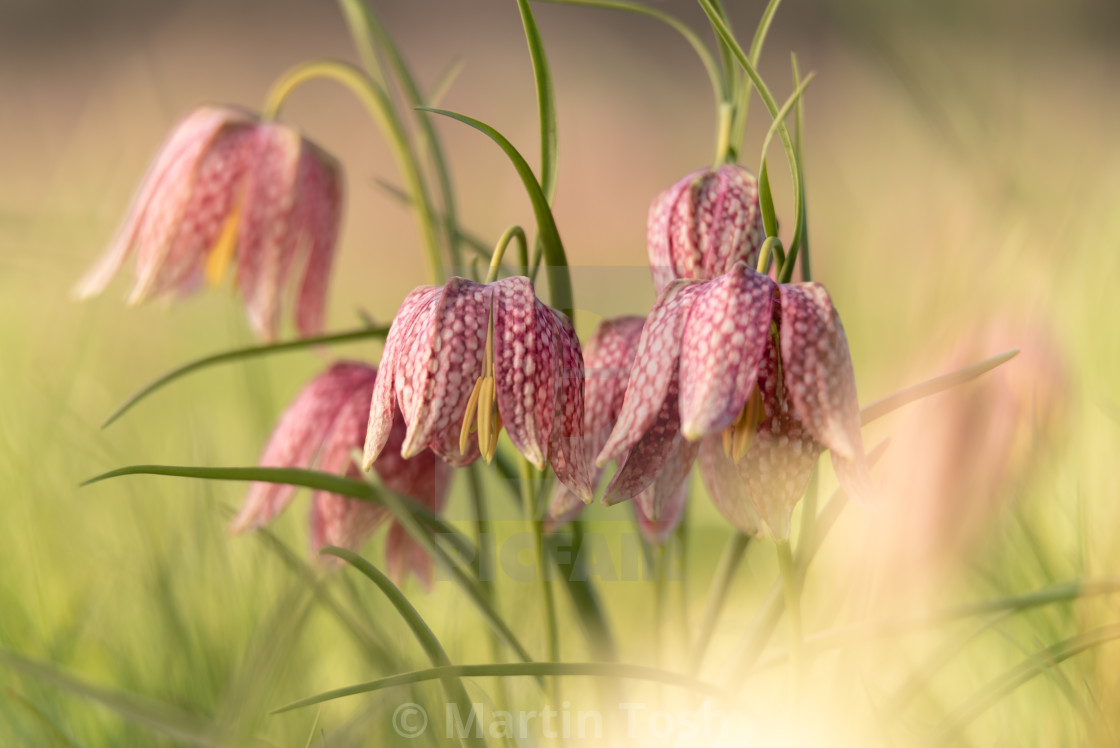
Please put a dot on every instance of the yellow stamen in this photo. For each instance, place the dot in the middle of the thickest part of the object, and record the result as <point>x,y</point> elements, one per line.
<point>482,407</point>
<point>221,254</point>
<point>738,437</point>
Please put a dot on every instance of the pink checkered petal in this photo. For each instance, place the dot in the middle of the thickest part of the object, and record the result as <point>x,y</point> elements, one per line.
<point>661,451</point>
<point>608,358</point>
<point>655,366</point>
<point>299,436</point>
<point>383,405</point>
<point>724,340</point>
<point>173,164</point>
<point>817,368</point>
<point>319,204</point>
<point>660,243</point>
<point>267,244</point>
<point>726,489</point>
<point>525,367</point>
<point>441,362</point>
<point>776,468</point>
<point>568,453</point>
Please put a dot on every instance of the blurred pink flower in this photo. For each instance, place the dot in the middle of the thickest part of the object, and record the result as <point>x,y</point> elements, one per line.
<point>704,224</point>
<point>466,354</point>
<point>762,368</point>
<point>325,428</point>
<point>226,188</point>
<point>608,358</point>
<point>956,459</point>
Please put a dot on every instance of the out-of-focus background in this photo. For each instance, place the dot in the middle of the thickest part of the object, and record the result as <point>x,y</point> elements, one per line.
<point>961,166</point>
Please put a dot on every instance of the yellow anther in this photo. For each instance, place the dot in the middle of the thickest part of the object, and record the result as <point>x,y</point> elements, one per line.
<point>483,403</point>
<point>738,437</point>
<point>221,254</point>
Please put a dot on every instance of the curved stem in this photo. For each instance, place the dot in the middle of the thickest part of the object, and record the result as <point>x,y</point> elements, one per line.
<point>452,686</point>
<point>723,136</point>
<point>529,496</point>
<point>377,102</point>
<point>513,232</point>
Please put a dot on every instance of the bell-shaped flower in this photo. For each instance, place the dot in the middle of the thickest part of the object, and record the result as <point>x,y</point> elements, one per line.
<point>227,189</point>
<point>704,224</point>
<point>464,359</point>
<point>325,427</point>
<point>764,370</point>
<point>608,358</point>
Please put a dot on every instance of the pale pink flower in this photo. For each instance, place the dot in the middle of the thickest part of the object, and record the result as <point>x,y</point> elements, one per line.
<point>227,189</point>
<point>761,367</point>
<point>325,428</point>
<point>704,224</point>
<point>470,355</point>
<point>608,358</point>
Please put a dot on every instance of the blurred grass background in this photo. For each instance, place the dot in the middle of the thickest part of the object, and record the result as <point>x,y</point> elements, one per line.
<point>961,167</point>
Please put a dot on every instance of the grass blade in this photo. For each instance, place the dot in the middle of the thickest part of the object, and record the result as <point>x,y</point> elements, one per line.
<point>58,735</point>
<point>154,715</point>
<point>514,669</point>
<point>882,407</point>
<point>452,685</point>
<point>241,354</point>
<point>546,100</point>
<point>559,281</point>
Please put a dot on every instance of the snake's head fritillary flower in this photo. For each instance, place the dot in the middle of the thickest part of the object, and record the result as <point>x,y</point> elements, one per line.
<point>325,428</point>
<point>608,359</point>
<point>464,359</point>
<point>227,190</point>
<point>763,369</point>
<point>704,224</point>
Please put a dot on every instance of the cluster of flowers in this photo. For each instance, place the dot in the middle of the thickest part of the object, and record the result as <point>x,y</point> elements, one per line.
<point>750,378</point>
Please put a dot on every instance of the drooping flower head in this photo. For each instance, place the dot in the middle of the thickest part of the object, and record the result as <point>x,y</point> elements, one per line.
<point>227,190</point>
<point>471,357</point>
<point>325,427</point>
<point>608,358</point>
<point>704,224</point>
<point>763,369</point>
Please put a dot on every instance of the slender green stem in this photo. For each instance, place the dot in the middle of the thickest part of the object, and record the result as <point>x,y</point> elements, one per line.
<point>723,136</point>
<point>799,127</point>
<point>240,354</point>
<point>532,514</point>
<point>754,54</point>
<point>380,107</point>
<point>452,685</point>
<point>791,591</point>
<point>513,232</point>
<point>518,669</point>
<point>772,245</point>
<point>729,562</point>
<point>367,30</point>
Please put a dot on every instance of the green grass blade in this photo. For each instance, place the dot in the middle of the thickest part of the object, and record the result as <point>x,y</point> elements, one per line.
<point>1004,684</point>
<point>153,715</point>
<point>882,407</point>
<point>58,735</point>
<point>559,280</point>
<point>719,87</point>
<point>427,639</point>
<point>799,127</point>
<point>739,127</point>
<point>779,120</point>
<point>546,100</point>
<point>766,202</point>
<point>241,354</point>
<point>515,669</point>
<point>313,479</point>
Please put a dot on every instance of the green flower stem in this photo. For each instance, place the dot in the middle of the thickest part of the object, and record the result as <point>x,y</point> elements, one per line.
<point>513,232</point>
<point>518,669</point>
<point>380,107</point>
<point>772,245</point>
<point>240,354</point>
<point>791,592</point>
<point>763,28</point>
<point>532,513</point>
<point>369,35</point>
<point>799,127</point>
<point>729,562</point>
<point>723,136</point>
<point>452,685</point>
